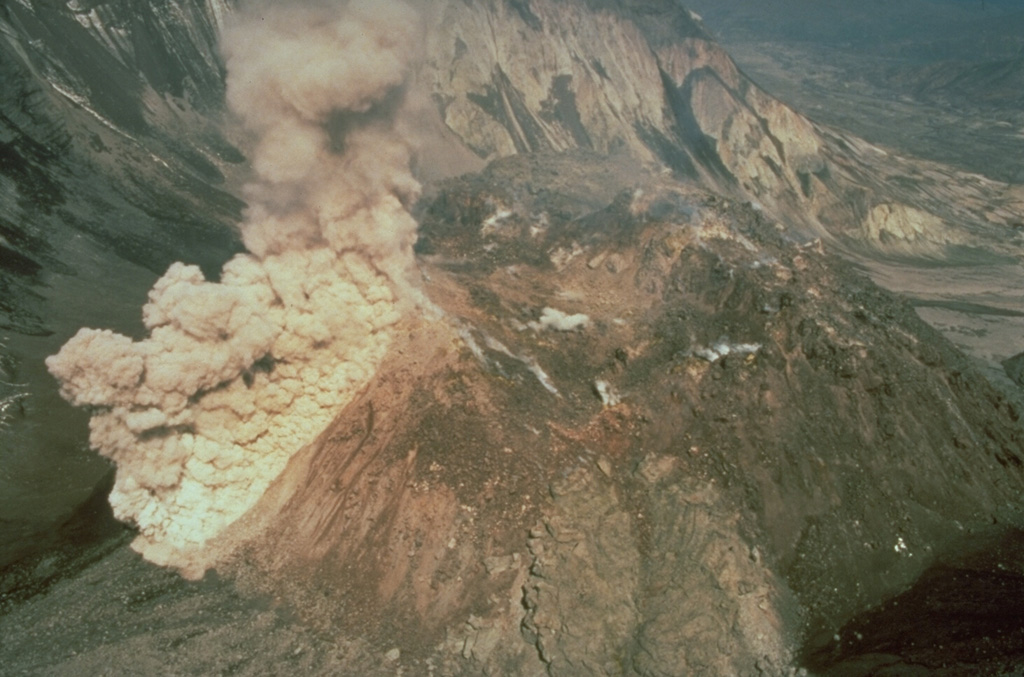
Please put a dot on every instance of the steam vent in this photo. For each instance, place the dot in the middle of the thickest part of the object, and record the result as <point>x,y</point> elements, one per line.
<point>519,337</point>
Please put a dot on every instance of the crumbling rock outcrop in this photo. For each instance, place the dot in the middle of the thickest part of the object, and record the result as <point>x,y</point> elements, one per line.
<point>664,574</point>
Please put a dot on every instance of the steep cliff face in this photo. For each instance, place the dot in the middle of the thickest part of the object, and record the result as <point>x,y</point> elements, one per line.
<point>123,105</point>
<point>106,55</point>
<point>617,76</point>
<point>646,79</point>
<point>113,167</point>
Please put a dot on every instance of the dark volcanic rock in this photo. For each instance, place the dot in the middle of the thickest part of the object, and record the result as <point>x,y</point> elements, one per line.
<point>964,617</point>
<point>1014,367</point>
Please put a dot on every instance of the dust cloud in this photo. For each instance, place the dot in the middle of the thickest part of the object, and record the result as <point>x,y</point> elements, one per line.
<point>236,376</point>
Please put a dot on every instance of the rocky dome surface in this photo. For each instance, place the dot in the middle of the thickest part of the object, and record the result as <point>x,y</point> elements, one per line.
<point>745,442</point>
<point>625,410</point>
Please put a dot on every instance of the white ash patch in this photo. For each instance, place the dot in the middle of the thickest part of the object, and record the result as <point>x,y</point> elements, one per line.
<point>495,221</point>
<point>604,390</point>
<point>722,348</point>
<point>556,320</point>
<point>563,256</point>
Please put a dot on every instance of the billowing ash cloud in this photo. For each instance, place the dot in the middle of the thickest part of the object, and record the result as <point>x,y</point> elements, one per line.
<point>237,376</point>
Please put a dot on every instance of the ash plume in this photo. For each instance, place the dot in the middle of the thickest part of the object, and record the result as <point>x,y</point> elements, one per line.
<point>237,376</point>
